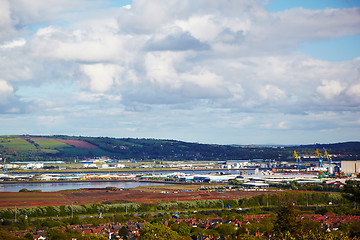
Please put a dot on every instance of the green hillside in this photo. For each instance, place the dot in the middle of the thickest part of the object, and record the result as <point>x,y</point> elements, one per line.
<point>28,148</point>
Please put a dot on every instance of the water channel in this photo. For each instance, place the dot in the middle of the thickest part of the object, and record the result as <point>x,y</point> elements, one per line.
<point>58,186</point>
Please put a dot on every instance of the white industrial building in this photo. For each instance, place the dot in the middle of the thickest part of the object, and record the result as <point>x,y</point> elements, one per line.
<point>213,178</point>
<point>32,166</point>
<point>350,167</point>
<point>255,185</point>
<point>278,178</point>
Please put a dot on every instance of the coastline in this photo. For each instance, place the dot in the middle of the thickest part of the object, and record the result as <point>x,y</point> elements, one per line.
<point>75,181</point>
<point>119,170</point>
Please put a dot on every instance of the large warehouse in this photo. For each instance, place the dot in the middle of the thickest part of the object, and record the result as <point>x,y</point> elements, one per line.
<point>349,167</point>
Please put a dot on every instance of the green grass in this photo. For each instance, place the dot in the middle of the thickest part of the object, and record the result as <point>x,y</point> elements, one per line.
<point>50,143</point>
<point>16,143</point>
<point>52,151</point>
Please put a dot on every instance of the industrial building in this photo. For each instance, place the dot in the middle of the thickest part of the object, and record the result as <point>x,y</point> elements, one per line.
<point>213,178</point>
<point>255,185</point>
<point>350,167</point>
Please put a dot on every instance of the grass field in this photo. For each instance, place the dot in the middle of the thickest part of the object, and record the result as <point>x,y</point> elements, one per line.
<point>11,144</point>
<point>46,143</point>
<point>18,144</point>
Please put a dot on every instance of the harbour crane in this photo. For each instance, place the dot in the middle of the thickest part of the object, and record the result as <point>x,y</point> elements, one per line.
<point>298,160</point>
<point>329,160</point>
<point>320,158</point>
<point>328,157</point>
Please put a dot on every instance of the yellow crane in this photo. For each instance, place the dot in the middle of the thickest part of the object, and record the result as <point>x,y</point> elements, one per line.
<point>298,160</point>
<point>320,158</point>
<point>328,158</point>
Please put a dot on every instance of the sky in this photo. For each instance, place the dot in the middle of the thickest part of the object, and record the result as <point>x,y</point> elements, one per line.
<point>221,72</point>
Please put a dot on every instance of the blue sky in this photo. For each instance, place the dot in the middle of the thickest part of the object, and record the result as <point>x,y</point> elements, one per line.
<point>282,5</point>
<point>327,49</point>
<point>226,72</point>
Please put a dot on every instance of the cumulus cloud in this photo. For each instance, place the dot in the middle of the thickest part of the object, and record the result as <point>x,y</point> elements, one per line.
<point>208,54</point>
<point>8,101</point>
<point>272,93</point>
<point>102,77</point>
<point>6,90</point>
<point>182,41</point>
<point>5,14</point>
<point>354,91</point>
<point>12,44</point>
<point>330,89</point>
<point>232,54</point>
<point>78,45</point>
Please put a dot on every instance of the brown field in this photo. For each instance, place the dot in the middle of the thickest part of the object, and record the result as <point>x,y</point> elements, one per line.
<point>89,196</point>
<point>78,144</point>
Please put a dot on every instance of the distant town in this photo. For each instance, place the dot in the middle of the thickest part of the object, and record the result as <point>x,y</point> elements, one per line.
<point>50,188</point>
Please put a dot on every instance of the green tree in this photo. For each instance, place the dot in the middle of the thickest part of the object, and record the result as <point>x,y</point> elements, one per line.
<point>23,222</point>
<point>123,232</point>
<point>28,236</point>
<point>227,231</point>
<point>286,220</point>
<point>266,225</point>
<point>196,231</point>
<point>182,228</point>
<point>7,236</point>
<point>56,234</point>
<point>158,231</point>
<point>352,191</point>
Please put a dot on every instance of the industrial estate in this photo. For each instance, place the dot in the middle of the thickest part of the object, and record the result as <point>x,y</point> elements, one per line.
<point>202,192</point>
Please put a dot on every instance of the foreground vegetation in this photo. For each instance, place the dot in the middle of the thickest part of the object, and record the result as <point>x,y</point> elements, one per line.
<point>312,201</point>
<point>281,223</point>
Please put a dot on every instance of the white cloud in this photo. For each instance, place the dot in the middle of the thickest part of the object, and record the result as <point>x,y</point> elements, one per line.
<point>204,28</point>
<point>331,89</point>
<point>283,125</point>
<point>79,45</point>
<point>102,77</point>
<point>5,19</point>
<point>196,82</point>
<point>272,93</point>
<point>13,44</point>
<point>6,90</point>
<point>354,91</point>
<point>49,121</point>
<point>290,27</point>
<point>205,58</point>
<point>6,28</point>
<point>37,11</point>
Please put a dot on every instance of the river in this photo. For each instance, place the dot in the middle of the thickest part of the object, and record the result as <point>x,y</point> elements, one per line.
<point>58,186</point>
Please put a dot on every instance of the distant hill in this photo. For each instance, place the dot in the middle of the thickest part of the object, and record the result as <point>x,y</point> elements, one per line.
<point>28,148</point>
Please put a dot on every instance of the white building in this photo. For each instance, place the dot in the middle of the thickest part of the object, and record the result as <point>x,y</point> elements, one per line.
<point>32,166</point>
<point>350,167</point>
<point>89,165</point>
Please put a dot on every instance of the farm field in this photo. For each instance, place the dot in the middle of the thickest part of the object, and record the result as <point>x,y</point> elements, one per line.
<point>138,195</point>
<point>78,143</point>
<point>49,143</point>
<point>19,144</point>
